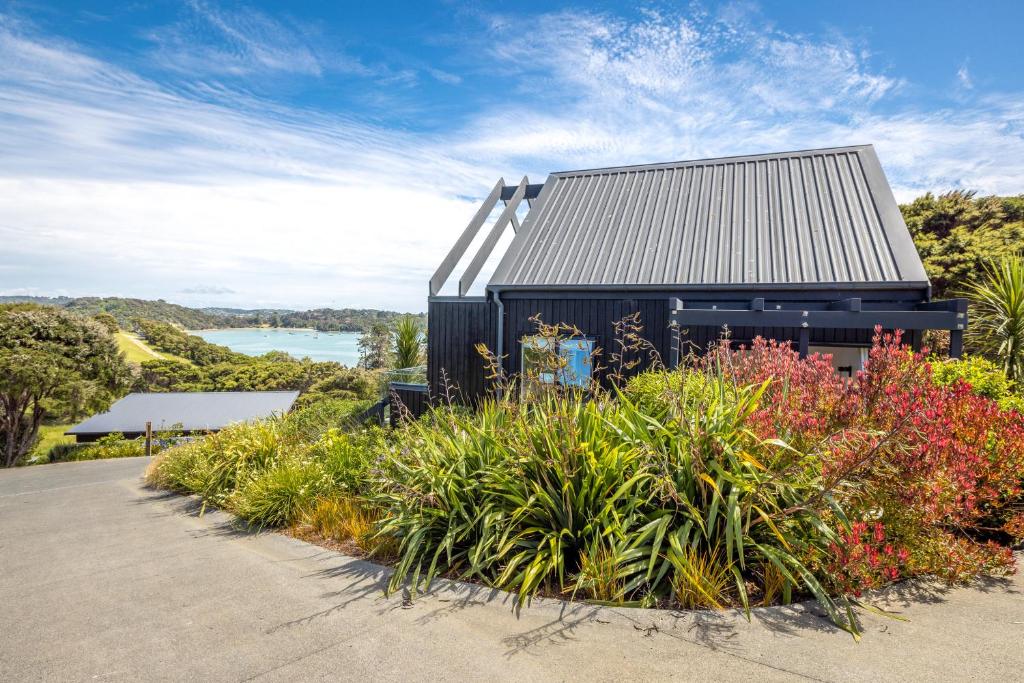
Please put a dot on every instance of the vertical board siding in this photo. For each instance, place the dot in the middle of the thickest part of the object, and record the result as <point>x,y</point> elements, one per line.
<point>413,401</point>
<point>595,318</point>
<point>454,329</point>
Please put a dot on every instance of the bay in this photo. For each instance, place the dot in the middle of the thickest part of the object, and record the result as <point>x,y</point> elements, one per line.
<point>255,341</point>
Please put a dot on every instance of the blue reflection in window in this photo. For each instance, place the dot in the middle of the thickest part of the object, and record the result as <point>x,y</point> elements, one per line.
<point>578,356</point>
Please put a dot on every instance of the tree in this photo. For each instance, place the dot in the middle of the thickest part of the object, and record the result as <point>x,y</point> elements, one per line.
<point>956,233</point>
<point>408,343</point>
<point>53,363</point>
<point>108,321</point>
<point>375,347</point>
<point>997,327</point>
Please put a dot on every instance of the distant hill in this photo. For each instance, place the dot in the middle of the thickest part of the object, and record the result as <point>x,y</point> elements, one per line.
<point>127,311</point>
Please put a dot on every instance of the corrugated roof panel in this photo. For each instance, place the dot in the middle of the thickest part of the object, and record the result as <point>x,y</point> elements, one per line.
<point>813,217</point>
<point>193,411</point>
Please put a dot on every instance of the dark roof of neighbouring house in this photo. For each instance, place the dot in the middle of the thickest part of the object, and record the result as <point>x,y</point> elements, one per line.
<point>812,218</point>
<point>191,411</point>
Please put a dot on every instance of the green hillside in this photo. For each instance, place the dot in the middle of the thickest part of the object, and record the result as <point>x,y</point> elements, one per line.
<point>129,311</point>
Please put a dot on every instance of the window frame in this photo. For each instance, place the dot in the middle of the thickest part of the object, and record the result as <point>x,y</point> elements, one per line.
<point>559,377</point>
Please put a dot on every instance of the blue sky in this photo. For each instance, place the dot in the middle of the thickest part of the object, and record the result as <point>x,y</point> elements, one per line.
<point>327,154</point>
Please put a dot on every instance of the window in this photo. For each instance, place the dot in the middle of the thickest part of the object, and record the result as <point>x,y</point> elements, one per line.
<point>538,361</point>
<point>578,355</point>
<point>570,361</point>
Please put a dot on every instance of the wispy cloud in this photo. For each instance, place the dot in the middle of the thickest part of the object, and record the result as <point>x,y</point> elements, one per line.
<point>599,90</point>
<point>113,183</point>
<point>238,42</point>
<point>963,77</point>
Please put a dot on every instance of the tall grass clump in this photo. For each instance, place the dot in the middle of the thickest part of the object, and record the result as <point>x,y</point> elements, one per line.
<point>602,497</point>
<point>272,472</point>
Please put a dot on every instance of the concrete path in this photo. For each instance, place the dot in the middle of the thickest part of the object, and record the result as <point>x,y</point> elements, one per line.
<point>103,579</point>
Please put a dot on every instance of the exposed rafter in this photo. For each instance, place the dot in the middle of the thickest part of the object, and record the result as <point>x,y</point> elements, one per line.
<point>473,269</point>
<point>465,239</point>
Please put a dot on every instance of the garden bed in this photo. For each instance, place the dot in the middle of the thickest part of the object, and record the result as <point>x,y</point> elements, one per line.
<point>745,478</point>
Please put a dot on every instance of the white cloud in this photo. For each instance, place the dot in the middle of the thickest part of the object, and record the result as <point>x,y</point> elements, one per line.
<point>113,184</point>
<point>237,42</point>
<point>963,77</point>
<point>595,90</point>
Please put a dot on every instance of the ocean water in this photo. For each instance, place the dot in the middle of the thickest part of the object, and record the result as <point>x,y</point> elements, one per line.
<point>255,341</point>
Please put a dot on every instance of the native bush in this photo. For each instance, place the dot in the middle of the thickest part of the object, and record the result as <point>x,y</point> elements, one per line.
<point>563,494</point>
<point>277,495</point>
<point>747,476</point>
<point>936,460</point>
<point>984,377</point>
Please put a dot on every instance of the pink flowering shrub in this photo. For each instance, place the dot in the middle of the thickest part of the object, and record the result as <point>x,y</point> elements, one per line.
<point>942,465</point>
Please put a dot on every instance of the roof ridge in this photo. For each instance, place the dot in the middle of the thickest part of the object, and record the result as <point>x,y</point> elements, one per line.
<point>708,160</point>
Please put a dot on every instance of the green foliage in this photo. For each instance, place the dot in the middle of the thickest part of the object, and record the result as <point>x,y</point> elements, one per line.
<point>997,327</point>
<point>525,497</point>
<point>310,422</point>
<point>344,383</point>
<point>112,445</point>
<point>985,377</point>
<point>657,392</point>
<point>375,348</point>
<point>127,311</point>
<point>275,496</point>
<point>172,375</point>
<point>270,472</point>
<point>170,339</point>
<point>53,364</point>
<point>317,380</point>
<point>108,321</point>
<point>956,233</point>
<point>408,343</point>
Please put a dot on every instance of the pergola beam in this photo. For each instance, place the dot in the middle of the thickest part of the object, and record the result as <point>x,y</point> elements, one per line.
<point>863,320</point>
<point>473,269</point>
<point>466,238</point>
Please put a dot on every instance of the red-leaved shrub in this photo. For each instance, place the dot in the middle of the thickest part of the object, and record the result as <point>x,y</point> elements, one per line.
<point>941,466</point>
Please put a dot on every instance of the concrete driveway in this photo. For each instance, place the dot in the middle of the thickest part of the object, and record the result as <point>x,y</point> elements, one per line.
<point>101,579</point>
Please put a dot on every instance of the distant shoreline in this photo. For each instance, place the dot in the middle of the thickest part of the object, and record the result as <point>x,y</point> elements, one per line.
<point>289,329</point>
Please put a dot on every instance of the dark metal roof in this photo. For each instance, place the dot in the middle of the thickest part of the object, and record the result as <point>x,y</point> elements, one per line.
<point>193,411</point>
<point>809,218</point>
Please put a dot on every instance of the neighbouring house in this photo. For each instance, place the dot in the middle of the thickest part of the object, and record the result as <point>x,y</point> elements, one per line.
<point>807,247</point>
<point>184,412</point>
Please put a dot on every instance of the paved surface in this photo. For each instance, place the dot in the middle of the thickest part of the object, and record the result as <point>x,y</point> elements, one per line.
<point>102,579</point>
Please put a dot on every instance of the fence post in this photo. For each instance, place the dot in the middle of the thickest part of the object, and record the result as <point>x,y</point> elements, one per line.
<point>149,438</point>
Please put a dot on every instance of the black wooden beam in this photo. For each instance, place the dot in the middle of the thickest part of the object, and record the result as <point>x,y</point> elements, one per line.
<point>853,304</point>
<point>532,191</point>
<point>956,343</point>
<point>863,320</point>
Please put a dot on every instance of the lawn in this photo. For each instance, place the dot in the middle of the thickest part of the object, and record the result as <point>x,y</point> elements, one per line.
<point>138,351</point>
<point>135,349</point>
<point>50,436</point>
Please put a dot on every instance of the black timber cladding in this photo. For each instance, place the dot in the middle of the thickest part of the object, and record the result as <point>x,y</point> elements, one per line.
<point>455,327</point>
<point>816,218</point>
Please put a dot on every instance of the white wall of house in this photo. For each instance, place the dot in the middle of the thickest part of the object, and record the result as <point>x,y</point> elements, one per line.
<point>846,359</point>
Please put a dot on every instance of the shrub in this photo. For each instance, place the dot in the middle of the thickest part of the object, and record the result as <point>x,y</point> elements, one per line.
<point>343,519</point>
<point>313,420</point>
<point>984,377</point>
<point>275,496</point>
<point>525,497</point>
<point>657,392</point>
<point>109,446</point>
<point>936,460</point>
<point>215,465</point>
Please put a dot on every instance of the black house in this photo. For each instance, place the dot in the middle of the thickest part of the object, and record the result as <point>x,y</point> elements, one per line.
<point>807,247</point>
